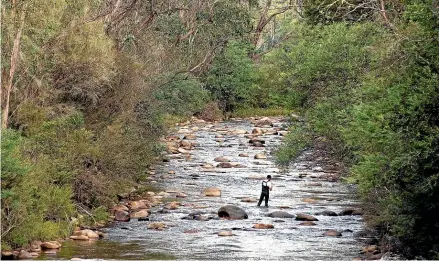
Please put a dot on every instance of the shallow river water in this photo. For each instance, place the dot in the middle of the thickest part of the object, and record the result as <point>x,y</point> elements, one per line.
<point>297,189</point>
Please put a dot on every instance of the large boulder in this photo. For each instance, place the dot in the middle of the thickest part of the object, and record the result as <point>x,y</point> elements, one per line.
<point>140,214</point>
<point>280,214</point>
<point>121,215</point>
<point>327,213</point>
<point>136,205</point>
<point>232,212</point>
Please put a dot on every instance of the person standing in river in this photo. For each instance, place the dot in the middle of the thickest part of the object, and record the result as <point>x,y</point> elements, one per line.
<point>265,193</point>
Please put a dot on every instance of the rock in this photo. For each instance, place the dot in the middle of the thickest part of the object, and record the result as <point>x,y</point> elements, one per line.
<point>136,205</point>
<point>207,166</point>
<point>172,172</point>
<point>350,212</point>
<point>157,226</point>
<point>180,195</point>
<point>264,122</point>
<point>225,233</point>
<point>172,205</point>
<point>51,245</point>
<point>185,144</point>
<point>327,213</point>
<point>121,215</point>
<point>263,226</point>
<point>25,255</point>
<point>257,131</point>
<point>332,233</point>
<point>80,237</point>
<point>260,156</point>
<point>88,233</point>
<point>249,200</point>
<point>232,212</point>
<point>308,223</point>
<point>221,159</point>
<point>182,151</point>
<point>190,137</point>
<point>280,214</point>
<point>254,140</point>
<point>118,207</point>
<point>212,192</point>
<point>191,231</point>
<point>305,217</point>
<point>140,214</point>
<point>243,155</point>
<point>310,200</point>
<point>123,196</point>
<point>371,249</point>
<point>224,165</point>
<point>317,169</point>
<point>240,132</point>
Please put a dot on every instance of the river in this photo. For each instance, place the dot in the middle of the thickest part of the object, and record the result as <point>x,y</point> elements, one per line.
<point>300,188</point>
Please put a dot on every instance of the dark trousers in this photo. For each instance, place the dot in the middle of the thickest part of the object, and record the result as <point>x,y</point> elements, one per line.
<point>266,196</point>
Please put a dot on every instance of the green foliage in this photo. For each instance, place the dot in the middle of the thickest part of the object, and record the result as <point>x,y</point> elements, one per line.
<point>374,95</point>
<point>232,78</point>
<point>298,139</point>
<point>182,96</point>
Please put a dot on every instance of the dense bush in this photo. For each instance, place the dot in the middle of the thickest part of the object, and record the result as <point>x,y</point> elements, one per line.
<point>374,94</point>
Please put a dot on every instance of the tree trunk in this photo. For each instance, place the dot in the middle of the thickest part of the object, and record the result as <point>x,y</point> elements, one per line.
<point>10,80</point>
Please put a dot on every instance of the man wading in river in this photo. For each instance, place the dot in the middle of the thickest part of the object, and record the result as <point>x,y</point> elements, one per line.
<point>266,187</point>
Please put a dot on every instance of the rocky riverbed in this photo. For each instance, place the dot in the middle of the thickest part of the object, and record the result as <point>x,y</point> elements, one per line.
<point>212,165</point>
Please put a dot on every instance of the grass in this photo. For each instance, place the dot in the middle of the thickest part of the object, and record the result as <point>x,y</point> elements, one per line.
<point>249,112</point>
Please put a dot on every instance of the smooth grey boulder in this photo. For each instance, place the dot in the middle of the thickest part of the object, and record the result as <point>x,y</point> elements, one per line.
<point>232,212</point>
<point>280,214</point>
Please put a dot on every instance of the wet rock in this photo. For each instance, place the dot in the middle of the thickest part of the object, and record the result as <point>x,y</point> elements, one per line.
<point>190,137</point>
<point>51,245</point>
<point>332,233</point>
<point>221,159</point>
<point>25,255</point>
<point>243,155</point>
<point>88,233</point>
<point>224,165</point>
<point>136,205</point>
<point>280,214</point>
<point>239,166</point>
<point>249,200</point>
<point>310,200</point>
<point>185,144</point>
<point>225,233</point>
<point>7,255</point>
<point>207,166</point>
<point>350,212</point>
<point>257,131</point>
<point>157,226</point>
<point>371,249</point>
<point>264,122</point>
<point>263,226</point>
<point>260,156</point>
<point>143,219</point>
<point>237,132</point>
<point>308,223</point>
<point>80,237</point>
<point>305,217</point>
<point>212,192</point>
<point>183,151</point>
<point>327,213</point>
<point>140,214</point>
<point>172,205</point>
<point>232,212</point>
<point>180,195</point>
<point>191,231</point>
<point>121,215</point>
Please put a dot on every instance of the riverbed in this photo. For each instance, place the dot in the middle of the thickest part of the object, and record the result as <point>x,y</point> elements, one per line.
<point>303,187</point>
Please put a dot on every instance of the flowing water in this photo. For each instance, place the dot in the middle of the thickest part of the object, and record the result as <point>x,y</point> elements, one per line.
<point>186,239</point>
